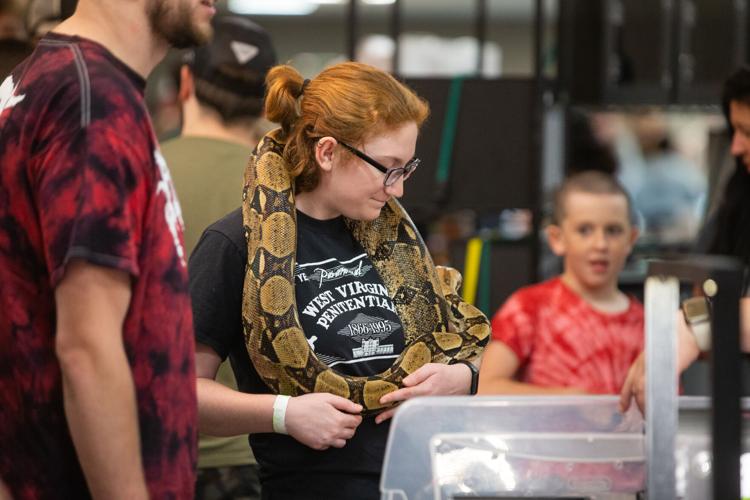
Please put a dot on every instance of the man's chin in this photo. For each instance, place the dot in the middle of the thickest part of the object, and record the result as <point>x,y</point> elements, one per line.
<point>203,33</point>
<point>199,33</point>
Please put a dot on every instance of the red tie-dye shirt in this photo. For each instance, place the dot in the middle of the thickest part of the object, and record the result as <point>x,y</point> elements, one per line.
<point>561,341</point>
<point>81,176</point>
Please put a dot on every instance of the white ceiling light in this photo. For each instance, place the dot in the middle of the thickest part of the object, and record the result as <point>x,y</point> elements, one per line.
<point>272,7</point>
<point>379,2</point>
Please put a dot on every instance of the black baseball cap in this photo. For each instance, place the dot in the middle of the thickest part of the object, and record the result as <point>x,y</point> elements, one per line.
<point>236,59</point>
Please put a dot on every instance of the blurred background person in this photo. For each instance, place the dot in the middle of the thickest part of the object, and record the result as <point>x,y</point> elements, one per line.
<point>668,191</point>
<point>14,43</point>
<point>725,232</point>
<point>221,90</point>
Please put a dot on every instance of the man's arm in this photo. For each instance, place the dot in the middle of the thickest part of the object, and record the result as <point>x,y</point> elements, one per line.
<point>98,389</point>
<point>687,352</point>
<point>4,494</point>
<point>499,365</point>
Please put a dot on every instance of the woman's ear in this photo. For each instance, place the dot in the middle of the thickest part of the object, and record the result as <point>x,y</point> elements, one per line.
<point>555,239</point>
<point>324,150</point>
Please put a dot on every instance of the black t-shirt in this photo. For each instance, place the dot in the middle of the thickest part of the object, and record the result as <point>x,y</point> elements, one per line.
<point>350,322</point>
<point>346,313</point>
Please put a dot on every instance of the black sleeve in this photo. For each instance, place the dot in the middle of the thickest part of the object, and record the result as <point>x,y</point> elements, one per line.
<point>217,272</point>
<point>706,235</point>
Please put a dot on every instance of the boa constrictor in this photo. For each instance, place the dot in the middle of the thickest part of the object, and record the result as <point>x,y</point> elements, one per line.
<point>438,325</point>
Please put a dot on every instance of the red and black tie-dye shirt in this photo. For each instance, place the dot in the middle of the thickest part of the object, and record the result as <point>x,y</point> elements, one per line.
<point>81,176</point>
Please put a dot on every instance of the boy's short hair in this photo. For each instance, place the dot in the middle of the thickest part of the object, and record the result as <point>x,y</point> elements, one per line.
<point>591,182</point>
<point>230,70</point>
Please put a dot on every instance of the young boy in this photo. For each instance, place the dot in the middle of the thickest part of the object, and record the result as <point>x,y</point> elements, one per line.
<point>575,333</point>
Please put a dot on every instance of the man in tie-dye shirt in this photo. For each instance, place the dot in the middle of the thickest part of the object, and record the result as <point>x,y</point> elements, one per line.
<point>97,381</point>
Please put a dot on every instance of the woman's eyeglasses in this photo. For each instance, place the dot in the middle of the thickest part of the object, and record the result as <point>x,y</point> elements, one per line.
<point>392,175</point>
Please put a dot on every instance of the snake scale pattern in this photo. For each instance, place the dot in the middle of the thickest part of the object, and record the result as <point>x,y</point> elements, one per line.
<point>438,325</point>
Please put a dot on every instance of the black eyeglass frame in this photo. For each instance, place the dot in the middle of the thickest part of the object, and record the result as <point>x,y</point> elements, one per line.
<point>391,174</point>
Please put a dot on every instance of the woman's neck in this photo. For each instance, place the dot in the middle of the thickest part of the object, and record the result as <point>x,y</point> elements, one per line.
<point>310,204</point>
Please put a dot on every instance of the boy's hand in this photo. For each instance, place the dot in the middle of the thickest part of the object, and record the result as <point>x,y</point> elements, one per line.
<point>635,382</point>
<point>635,385</point>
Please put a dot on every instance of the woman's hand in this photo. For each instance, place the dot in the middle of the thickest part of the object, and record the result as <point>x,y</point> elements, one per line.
<point>432,379</point>
<point>321,420</point>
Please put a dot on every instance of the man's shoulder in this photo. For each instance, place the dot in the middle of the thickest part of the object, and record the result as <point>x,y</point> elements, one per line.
<point>175,148</point>
<point>48,82</point>
<point>75,83</point>
<point>111,93</point>
<point>192,148</point>
<point>85,62</point>
<point>177,143</point>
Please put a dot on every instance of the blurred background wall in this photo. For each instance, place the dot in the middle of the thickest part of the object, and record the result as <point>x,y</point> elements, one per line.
<point>522,92</point>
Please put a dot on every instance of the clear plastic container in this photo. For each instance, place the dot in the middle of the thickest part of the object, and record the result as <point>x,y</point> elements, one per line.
<point>445,448</point>
<point>540,447</point>
<point>693,450</point>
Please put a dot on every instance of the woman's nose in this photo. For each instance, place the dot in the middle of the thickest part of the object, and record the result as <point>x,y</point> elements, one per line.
<point>396,189</point>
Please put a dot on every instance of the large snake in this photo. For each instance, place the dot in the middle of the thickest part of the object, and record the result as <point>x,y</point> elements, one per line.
<point>438,325</point>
